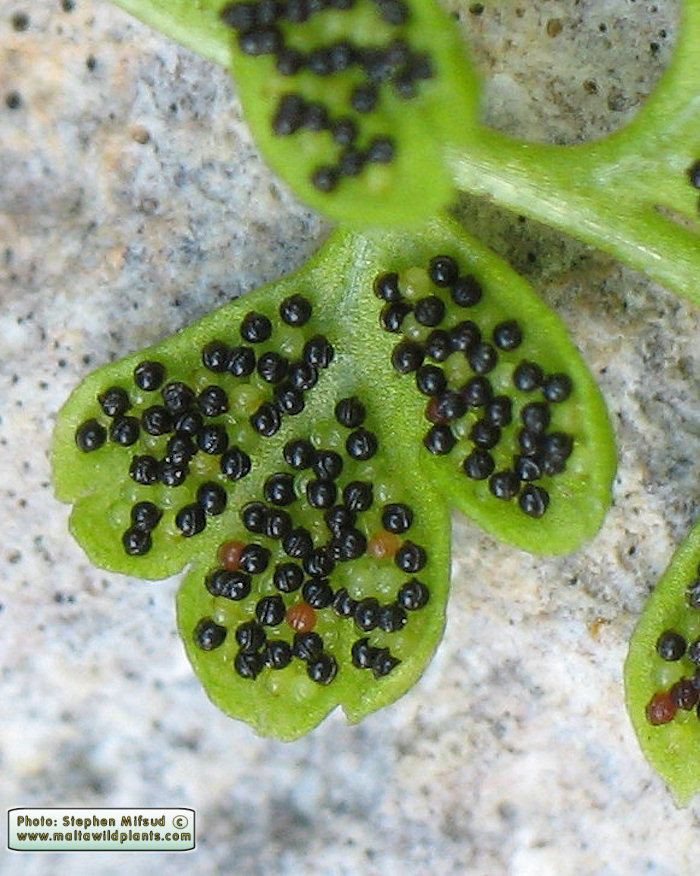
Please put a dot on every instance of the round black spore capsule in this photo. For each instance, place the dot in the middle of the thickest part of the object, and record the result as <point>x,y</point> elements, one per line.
<point>180,449</point>
<point>318,593</point>
<point>694,652</point>
<point>288,577</point>
<point>250,636</point>
<point>406,356</point>
<point>528,376</point>
<point>363,654</point>
<point>177,397</point>
<point>438,345</point>
<point>349,544</point>
<point>235,464</point>
<point>413,595</point>
<point>504,484</point>
<point>289,61</point>
<point>327,464</point>
<point>248,664</point>
<point>397,518</point>
<point>277,524</point>
<point>528,468</point>
<point>499,411</point>
<point>410,557</point>
<point>478,465</point>
<point>318,351</point>
<point>321,493</point>
<point>209,635</point>
<point>229,585</point>
<point>242,362</point>
<point>216,356</point>
<point>325,178</point>
<point>381,150</point>
<point>279,489</point>
<point>429,311</point>
<point>145,516</point>
<point>254,517</point>
<point>477,392</point>
<point>188,423</point>
<point>125,431</point>
<point>212,498</point>
<point>272,367</point>
<point>239,16</point>
<point>289,400</point>
<point>536,417</point>
<point>307,645</point>
<point>692,595</point>
<point>114,401</point>
<point>557,445</point>
<point>302,376</point>
<point>144,470</point>
<point>319,562</point>
<point>529,442</point>
<point>439,440</point>
<point>508,335</point>
<point>212,401</point>
<point>171,474</point>
<point>361,444</point>
<point>299,454</point>
<point>255,328</point>
<point>270,611</point>
<point>384,662</point>
<point>367,614</point>
<point>322,669</point>
<point>392,618</point>
<point>254,559</point>
<point>392,316</point>
<point>350,412</point>
<point>298,544</point>
<point>136,542</point>
<point>464,335</point>
<point>266,421</point>
<point>670,646</point>
<point>351,161</point>
<point>157,420</point>
<point>483,358</point>
<point>190,520</point>
<point>295,310</point>
<point>533,501</point>
<point>278,654</point>
<point>484,435</point>
<point>557,388</point>
<point>358,496</point>
<point>339,518</point>
<point>90,436</point>
<point>149,375</point>
<point>694,174</point>
<point>212,439</point>
<point>316,119</point>
<point>443,270</point>
<point>451,405</point>
<point>466,291</point>
<point>386,287</point>
<point>431,380</point>
<point>343,604</point>
<point>364,98</point>
<point>344,131</point>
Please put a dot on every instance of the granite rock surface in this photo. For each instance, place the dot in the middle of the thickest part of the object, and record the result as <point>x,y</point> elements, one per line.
<point>133,201</point>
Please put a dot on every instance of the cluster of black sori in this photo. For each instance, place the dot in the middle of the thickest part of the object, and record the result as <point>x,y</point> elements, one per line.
<point>395,65</point>
<point>541,453</point>
<point>308,567</point>
<point>190,422</point>
<point>671,647</point>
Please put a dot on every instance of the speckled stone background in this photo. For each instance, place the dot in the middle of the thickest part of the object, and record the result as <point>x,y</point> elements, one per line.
<point>132,201</point>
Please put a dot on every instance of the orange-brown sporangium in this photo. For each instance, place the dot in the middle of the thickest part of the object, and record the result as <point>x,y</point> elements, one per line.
<point>301,617</point>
